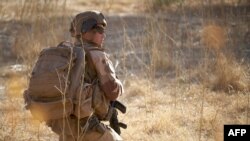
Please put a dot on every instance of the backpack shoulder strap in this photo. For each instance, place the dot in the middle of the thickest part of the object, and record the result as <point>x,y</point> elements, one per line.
<point>78,70</point>
<point>88,54</point>
<point>89,57</point>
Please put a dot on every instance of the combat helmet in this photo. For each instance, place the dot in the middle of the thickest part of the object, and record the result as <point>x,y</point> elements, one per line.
<point>85,21</point>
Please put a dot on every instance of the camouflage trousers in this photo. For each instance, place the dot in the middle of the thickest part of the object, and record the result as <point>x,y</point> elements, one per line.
<point>70,130</point>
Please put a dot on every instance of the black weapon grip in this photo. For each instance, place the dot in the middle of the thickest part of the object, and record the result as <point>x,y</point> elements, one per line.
<point>119,106</point>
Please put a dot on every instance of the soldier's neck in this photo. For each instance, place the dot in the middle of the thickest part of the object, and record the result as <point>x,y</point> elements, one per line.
<point>85,43</point>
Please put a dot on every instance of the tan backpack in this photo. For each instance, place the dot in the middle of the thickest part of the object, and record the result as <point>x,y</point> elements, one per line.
<point>55,80</point>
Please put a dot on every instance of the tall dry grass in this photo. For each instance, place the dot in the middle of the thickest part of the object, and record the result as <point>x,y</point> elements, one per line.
<point>205,102</point>
<point>44,23</point>
<point>156,42</point>
<point>226,73</point>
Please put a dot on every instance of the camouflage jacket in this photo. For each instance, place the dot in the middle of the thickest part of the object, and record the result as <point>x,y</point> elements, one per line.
<point>99,67</point>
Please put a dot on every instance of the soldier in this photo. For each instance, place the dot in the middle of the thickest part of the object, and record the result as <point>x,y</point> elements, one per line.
<point>88,30</point>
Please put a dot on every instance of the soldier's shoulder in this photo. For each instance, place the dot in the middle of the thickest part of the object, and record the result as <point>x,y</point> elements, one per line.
<point>95,51</point>
<point>98,54</point>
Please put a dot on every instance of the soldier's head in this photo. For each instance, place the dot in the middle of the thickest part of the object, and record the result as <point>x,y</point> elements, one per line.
<point>89,26</point>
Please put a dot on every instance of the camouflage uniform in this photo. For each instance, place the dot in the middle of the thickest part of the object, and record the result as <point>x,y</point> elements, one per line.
<point>98,67</point>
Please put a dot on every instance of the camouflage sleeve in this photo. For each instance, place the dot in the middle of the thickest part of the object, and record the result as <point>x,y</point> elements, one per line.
<point>109,82</point>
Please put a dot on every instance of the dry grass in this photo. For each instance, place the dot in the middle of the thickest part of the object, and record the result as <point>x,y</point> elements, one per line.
<point>175,113</point>
<point>229,75</point>
<point>226,73</point>
<point>214,37</point>
<point>157,42</point>
<point>165,101</point>
<point>16,122</point>
<point>161,5</point>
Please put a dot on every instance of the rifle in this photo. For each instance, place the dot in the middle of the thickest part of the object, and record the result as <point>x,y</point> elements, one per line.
<point>114,122</point>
